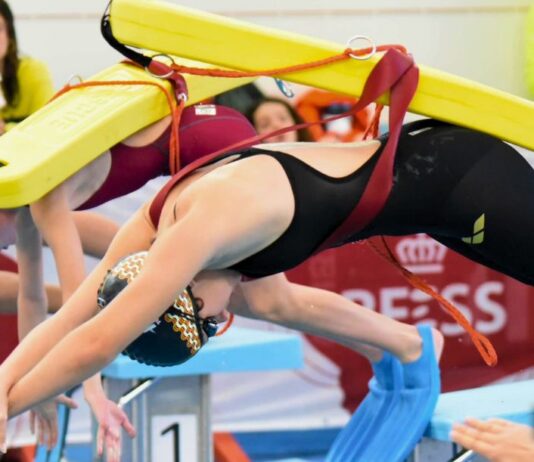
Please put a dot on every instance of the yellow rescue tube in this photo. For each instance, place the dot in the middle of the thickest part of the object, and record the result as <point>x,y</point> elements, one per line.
<point>71,131</point>
<point>529,31</point>
<point>214,39</point>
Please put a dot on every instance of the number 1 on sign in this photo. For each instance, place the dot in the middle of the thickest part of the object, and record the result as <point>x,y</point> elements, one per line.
<point>175,428</point>
<point>174,438</point>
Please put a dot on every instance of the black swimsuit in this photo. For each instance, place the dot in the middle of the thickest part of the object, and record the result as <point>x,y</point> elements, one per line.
<point>314,219</point>
<point>445,179</point>
<point>470,191</point>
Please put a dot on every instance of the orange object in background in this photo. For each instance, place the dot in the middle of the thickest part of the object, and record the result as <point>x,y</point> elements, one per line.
<point>24,454</point>
<point>314,105</point>
<point>227,449</point>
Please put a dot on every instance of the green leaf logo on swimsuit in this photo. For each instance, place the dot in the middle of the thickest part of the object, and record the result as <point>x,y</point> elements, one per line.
<point>478,231</point>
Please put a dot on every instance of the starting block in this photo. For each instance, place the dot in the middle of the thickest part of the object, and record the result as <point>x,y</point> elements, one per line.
<point>170,406</point>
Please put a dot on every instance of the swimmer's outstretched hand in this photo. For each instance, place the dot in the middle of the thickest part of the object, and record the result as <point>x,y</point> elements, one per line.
<point>43,419</point>
<point>496,439</point>
<point>111,419</point>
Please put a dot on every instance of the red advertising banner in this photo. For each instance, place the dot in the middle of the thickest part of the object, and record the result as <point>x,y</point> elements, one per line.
<point>497,306</point>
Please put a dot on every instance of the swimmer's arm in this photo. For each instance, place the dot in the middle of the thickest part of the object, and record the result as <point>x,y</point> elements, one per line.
<point>168,268</point>
<point>54,219</point>
<point>59,227</point>
<point>31,299</point>
<point>202,234</point>
<point>135,235</point>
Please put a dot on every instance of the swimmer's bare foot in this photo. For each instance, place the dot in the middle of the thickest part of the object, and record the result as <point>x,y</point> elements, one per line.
<point>414,346</point>
<point>422,372</point>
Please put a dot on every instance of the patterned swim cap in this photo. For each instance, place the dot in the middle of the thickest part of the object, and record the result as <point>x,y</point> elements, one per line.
<point>176,336</point>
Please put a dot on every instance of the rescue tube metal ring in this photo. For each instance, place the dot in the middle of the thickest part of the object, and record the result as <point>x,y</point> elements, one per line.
<point>161,76</point>
<point>366,39</point>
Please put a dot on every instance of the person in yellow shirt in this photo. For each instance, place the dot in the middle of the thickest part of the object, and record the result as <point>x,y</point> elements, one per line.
<point>26,83</point>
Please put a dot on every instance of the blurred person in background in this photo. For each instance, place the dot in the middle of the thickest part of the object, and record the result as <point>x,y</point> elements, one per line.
<point>26,82</point>
<point>270,114</point>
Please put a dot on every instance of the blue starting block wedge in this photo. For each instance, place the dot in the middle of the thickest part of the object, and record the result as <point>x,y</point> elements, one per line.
<point>238,350</point>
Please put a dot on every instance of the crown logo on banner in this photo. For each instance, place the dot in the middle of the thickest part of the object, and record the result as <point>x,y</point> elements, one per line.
<point>421,254</point>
